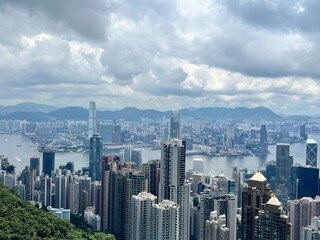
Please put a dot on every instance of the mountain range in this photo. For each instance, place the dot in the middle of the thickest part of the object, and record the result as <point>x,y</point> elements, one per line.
<point>33,112</point>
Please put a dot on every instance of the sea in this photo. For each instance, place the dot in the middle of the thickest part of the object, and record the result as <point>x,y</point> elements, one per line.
<point>19,150</point>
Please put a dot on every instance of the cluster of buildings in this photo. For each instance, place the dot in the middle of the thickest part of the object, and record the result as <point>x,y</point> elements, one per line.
<point>160,199</point>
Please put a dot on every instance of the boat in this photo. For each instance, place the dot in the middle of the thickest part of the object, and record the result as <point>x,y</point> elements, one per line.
<point>19,145</point>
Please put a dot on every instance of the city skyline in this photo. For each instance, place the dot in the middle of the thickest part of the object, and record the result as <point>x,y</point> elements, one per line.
<point>164,55</point>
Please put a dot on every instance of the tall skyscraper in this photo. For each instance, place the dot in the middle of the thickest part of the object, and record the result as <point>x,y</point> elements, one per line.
<point>172,181</point>
<point>135,183</point>
<point>60,193</point>
<point>74,195</point>
<point>28,177</point>
<point>302,132</point>
<point>254,197</point>
<point>304,181</point>
<point>311,153</point>
<point>141,210</point>
<point>92,119</point>
<point>95,157</point>
<point>175,124</point>
<point>263,136</point>
<point>283,163</point>
<point>46,191</point>
<point>48,162</point>
<point>151,169</point>
<point>271,222</point>
<point>35,164</point>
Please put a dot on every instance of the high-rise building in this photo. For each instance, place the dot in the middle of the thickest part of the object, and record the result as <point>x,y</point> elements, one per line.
<point>95,157</point>
<point>216,228</point>
<point>271,222</point>
<point>92,119</point>
<point>60,192</point>
<point>106,132</point>
<point>28,177</point>
<point>46,191</point>
<point>151,169</point>
<point>283,163</point>
<point>304,181</point>
<point>263,136</point>
<point>84,193</point>
<point>135,183</point>
<point>48,162</point>
<point>311,153</point>
<point>74,195</point>
<point>136,158</point>
<point>175,124</point>
<point>311,232</point>
<point>302,132</point>
<point>117,134</point>
<point>172,181</point>
<point>254,197</point>
<point>141,210</point>
<point>35,164</point>
<point>165,221</point>
<point>301,213</point>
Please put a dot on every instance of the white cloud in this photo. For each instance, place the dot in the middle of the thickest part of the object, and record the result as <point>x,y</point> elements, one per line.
<point>162,54</point>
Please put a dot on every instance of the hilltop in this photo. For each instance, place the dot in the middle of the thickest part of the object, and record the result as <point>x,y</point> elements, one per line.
<point>21,220</point>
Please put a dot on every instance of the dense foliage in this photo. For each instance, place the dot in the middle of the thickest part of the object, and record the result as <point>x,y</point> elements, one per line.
<point>20,220</point>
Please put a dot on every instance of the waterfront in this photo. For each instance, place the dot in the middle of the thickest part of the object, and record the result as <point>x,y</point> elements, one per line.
<point>19,150</point>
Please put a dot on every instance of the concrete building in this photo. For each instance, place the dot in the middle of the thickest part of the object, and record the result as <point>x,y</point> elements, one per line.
<point>141,214</point>
<point>301,212</point>
<point>215,228</point>
<point>312,231</point>
<point>272,223</point>
<point>254,196</point>
<point>46,191</point>
<point>172,181</point>
<point>60,213</point>
<point>165,221</point>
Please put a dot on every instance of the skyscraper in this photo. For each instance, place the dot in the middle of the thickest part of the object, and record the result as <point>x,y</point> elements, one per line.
<point>172,181</point>
<point>35,164</point>
<point>28,177</point>
<point>283,163</point>
<point>254,197</point>
<point>311,153</point>
<point>48,162</point>
<point>263,136</point>
<point>304,181</point>
<point>175,124</point>
<point>60,193</point>
<point>46,191</point>
<point>271,222</point>
<point>301,213</point>
<point>165,221</point>
<point>141,210</point>
<point>92,119</point>
<point>151,170</point>
<point>95,157</point>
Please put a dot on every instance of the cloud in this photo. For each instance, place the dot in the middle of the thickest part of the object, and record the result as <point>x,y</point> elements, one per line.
<point>163,54</point>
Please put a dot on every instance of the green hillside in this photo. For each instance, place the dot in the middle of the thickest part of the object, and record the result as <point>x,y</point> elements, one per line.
<point>21,220</point>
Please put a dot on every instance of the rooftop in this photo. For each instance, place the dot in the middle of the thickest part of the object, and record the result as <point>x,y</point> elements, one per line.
<point>311,141</point>
<point>258,176</point>
<point>274,201</point>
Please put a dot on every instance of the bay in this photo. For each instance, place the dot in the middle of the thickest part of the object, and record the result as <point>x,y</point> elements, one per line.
<point>19,150</point>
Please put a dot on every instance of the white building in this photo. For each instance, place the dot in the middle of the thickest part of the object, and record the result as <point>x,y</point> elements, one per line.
<point>141,210</point>
<point>172,181</point>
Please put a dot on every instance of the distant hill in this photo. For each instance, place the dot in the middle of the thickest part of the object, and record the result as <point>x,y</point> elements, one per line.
<point>77,113</point>
<point>26,107</point>
<point>135,114</point>
<point>20,220</point>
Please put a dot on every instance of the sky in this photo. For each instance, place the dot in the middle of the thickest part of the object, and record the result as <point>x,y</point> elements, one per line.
<point>162,54</point>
